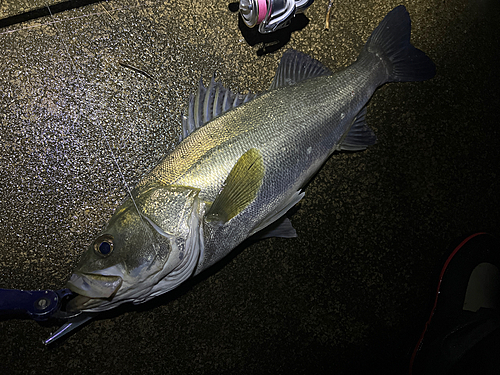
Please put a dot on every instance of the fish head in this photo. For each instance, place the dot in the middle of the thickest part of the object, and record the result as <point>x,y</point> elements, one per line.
<point>149,246</point>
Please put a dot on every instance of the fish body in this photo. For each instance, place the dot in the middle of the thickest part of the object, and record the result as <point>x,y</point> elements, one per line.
<point>239,168</point>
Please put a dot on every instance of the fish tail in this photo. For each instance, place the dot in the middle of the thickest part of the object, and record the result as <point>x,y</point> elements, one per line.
<point>390,42</point>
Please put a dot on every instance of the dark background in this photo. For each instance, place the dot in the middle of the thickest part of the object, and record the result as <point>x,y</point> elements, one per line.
<point>351,293</point>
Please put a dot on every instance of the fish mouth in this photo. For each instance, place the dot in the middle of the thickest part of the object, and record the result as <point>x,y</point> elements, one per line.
<point>91,288</point>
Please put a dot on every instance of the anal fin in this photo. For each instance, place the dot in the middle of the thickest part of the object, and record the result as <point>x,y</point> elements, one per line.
<point>359,136</point>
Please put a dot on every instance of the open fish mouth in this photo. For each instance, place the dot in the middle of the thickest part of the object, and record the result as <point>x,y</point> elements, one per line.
<point>91,288</point>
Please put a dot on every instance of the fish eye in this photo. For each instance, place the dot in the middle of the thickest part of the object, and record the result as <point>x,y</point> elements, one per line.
<point>103,245</point>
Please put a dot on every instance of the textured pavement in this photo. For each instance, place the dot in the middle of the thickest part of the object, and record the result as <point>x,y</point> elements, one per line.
<point>350,293</point>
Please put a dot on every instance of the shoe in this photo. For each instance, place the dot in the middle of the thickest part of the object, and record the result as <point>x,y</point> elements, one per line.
<point>462,334</point>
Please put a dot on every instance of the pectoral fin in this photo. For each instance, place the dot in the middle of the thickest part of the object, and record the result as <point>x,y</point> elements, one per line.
<point>240,188</point>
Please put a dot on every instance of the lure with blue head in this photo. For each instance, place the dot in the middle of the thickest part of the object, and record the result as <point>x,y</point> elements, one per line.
<point>42,305</point>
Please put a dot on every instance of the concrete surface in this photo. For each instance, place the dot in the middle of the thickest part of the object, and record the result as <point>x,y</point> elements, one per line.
<point>350,293</point>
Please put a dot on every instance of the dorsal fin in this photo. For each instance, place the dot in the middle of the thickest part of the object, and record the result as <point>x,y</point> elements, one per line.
<point>359,136</point>
<point>209,103</point>
<point>295,67</point>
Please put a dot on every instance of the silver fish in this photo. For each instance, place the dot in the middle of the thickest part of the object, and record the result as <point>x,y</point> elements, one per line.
<point>240,166</point>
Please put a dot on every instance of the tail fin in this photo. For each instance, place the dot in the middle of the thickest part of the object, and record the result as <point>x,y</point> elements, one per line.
<point>390,41</point>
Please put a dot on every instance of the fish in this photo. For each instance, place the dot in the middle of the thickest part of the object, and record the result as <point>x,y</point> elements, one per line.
<point>242,163</point>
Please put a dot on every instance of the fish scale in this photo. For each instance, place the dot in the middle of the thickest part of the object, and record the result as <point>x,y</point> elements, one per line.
<point>284,135</point>
<point>305,115</point>
<point>238,174</point>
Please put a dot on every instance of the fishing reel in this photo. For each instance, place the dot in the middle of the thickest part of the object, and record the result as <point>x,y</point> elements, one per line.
<point>271,15</point>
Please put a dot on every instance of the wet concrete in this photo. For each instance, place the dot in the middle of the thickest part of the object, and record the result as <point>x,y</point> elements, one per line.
<point>349,294</point>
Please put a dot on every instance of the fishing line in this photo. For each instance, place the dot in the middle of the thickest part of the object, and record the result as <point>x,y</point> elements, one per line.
<point>106,139</point>
<point>72,18</point>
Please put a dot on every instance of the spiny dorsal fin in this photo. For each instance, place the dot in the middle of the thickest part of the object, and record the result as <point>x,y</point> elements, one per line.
<point>208,103</point>
<point>359,136</point>
<point>240,188</point>
<point>295,67</point>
